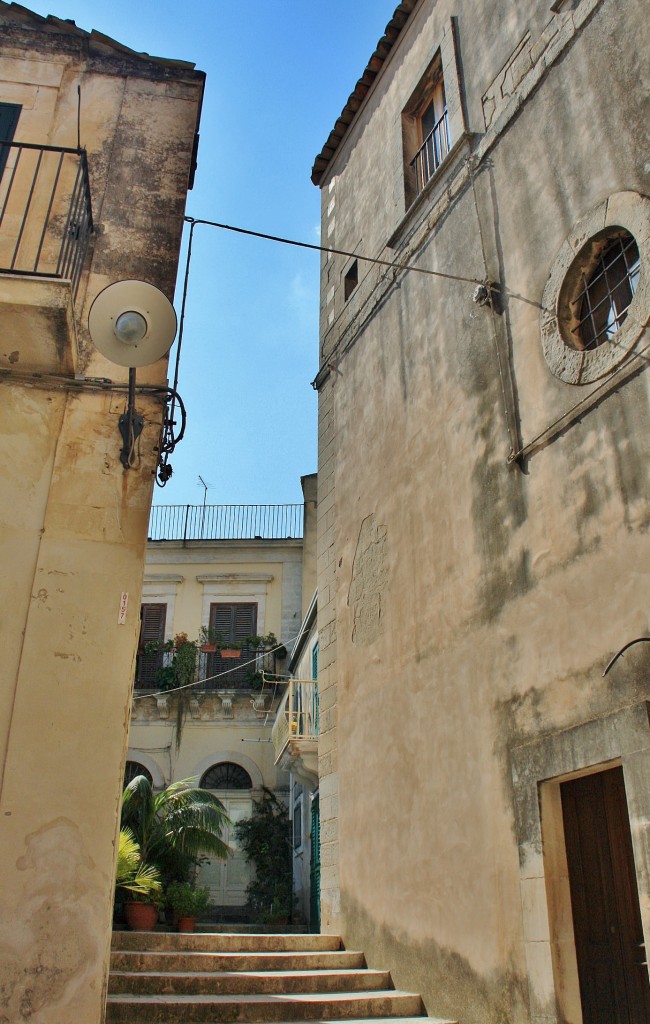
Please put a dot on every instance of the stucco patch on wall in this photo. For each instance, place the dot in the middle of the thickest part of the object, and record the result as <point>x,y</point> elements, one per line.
<point>49,943</point>
<point>369,578</point>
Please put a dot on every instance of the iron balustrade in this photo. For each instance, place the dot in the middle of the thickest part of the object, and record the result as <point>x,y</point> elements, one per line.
<point>213,671</point>
<point>431,153</point>
<point>45,211</point>
<point>225,522</point>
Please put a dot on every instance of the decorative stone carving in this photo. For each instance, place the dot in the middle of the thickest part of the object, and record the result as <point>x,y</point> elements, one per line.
<point>163,707</point>
<point>226,707</point>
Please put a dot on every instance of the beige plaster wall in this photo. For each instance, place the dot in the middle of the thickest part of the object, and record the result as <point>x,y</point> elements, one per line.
<point>467,606</point>
<point>74,523</point>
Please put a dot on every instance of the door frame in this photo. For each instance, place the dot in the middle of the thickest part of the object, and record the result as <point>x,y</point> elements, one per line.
<point>598,847</point>
<point>538,767</point>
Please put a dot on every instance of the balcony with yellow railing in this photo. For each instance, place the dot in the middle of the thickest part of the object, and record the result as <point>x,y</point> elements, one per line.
<point>295,730</point>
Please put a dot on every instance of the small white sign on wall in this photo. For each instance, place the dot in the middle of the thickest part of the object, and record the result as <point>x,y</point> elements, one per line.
<point>121,617</point>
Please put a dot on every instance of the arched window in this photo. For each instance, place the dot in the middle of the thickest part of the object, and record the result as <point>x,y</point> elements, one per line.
<point>134,768</point>
<point>226,775</point>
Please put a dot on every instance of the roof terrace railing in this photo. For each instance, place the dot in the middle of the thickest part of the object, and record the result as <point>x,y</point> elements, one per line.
<point>225,522</point>
<point>45,211</point>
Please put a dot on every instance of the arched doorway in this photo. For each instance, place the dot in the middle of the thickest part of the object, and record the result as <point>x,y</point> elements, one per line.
<point>227,880</point>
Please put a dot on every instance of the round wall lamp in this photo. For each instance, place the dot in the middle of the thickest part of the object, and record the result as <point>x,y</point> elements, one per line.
<point>132,323</point>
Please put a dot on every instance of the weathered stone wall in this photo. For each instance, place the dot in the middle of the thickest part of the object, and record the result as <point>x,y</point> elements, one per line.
<point>74,523</point>
<point>468,604</point>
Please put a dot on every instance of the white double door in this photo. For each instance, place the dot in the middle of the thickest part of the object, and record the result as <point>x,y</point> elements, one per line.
<point>227,879</point>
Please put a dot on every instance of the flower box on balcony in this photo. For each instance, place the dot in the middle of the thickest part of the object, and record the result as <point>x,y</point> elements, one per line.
<point>230,652</point>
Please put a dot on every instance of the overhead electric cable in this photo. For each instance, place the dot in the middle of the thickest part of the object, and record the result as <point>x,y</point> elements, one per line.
<point>334,252</point>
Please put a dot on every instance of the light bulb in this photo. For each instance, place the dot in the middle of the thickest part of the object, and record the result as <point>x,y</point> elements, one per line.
<point>130,327</point>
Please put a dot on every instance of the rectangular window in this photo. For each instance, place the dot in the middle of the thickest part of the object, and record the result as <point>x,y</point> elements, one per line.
<point>9,114</point>
<point>351,280</point>
<point>234,621</point>
<point>426,136</point>
<point>152,632</point>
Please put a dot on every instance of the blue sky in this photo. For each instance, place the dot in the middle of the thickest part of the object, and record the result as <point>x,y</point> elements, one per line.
<point>278,75</point>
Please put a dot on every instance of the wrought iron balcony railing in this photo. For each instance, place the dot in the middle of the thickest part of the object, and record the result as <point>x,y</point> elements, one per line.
<point>431,153</point>
<point>214,670</point>
<point>225,522</point>
<point>296,723</point>
<point>45,211</point>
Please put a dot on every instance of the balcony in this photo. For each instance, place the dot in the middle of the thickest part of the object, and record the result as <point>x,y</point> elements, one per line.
<point>45,212</point>
<point>431,153</point>
<point>225,522</point>
<point>213,671</point>
<point>295,730</point>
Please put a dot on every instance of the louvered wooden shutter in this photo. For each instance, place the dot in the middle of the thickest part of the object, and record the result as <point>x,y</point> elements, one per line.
<point>152,630</point>
<point>152,623</point>
<point>234,621</point>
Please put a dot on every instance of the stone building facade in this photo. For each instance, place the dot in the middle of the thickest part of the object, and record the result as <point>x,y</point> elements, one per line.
<point>95,161</point>
<point>483,511</point>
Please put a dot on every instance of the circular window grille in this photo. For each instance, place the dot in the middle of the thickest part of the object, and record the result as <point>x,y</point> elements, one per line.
<point>597,296</point>
<point>226,775</point>
<point>607,272</point>
<point>134,768</point>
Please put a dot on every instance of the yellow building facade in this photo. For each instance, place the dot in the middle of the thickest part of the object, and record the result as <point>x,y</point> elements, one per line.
<point>236,576</point>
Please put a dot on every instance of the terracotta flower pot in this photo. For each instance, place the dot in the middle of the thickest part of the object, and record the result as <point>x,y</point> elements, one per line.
<point>227,652</point>
<point>186,924</point>
<point>140,917</point>
<point>208,648</point>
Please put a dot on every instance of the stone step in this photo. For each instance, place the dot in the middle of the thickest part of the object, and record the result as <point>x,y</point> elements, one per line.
<point>225,942</point>
<point>248,983</point>
<point>135,960</point>
<point>217,1009</point>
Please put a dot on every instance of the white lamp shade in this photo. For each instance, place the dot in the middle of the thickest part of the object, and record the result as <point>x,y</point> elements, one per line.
<point>132,323</point>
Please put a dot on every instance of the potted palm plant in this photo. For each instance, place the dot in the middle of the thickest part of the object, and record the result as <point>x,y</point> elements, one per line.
<point>176,826</point>
<point>138,883</point>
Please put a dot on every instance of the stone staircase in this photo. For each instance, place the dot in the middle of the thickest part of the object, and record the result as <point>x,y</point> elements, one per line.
<point>168,978</point>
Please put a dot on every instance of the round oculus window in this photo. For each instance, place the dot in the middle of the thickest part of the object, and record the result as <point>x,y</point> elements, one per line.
<point>597,291</point>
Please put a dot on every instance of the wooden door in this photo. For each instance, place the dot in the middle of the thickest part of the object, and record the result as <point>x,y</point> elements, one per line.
<point>228,879</point>
<point>604,898</point>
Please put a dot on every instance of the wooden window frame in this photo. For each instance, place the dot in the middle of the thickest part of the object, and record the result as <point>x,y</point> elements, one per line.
<point>412,128</point>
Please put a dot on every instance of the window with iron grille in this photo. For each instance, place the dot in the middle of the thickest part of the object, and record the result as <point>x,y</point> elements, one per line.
<point>425,131</point>
<point>226,775</point>
<point>133,769</point>
<point>595,303</point>
<point>152,631</point>
<point>606,287</point>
